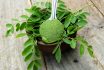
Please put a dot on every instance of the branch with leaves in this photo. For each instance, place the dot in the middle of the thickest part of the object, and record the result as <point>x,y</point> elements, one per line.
<point>72,21</point>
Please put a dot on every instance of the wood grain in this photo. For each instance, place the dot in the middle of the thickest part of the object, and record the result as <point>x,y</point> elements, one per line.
<point>72,61</point>
<point>99,4</point>
<point>10,48</point>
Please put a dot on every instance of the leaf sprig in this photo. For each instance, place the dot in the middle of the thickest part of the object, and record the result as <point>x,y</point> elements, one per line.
<point>72,21</point>
<point>32,54</point>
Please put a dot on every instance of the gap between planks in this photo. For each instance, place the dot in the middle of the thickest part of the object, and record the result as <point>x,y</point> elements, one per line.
<point>97,8</point>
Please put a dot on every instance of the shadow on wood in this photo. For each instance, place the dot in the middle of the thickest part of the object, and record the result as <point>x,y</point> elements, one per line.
<point>70,61</point>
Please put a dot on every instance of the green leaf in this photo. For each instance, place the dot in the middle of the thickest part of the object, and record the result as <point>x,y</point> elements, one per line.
<point>36,11</point>
<point>27,50</point>
<point>37,52</point>
<point>29,27</point>
<point>29,10</point>
<point>82,23</point>
<point>82,41</point>
<point>79,38</point>
<point>61,8</point>
<point>23,25</point>
<point>81,50</point>
<point>29,42</point>
<point>55,49</point>
<point>48,5</point>
<point>28,57</point>
<point>73,43</point>
<point>31,66</point>
<point>90,50</point>
<point>71,30</point>
<point>66,41</point>
<point>8,33</point>
<point>60,2</point>
<point>35,67</point>
<point>14,19</point>
<point>82,16</point>
<point>24,16</point>
<point>10,29</point>
<point>67,21</point>
<point>73,19</point>
<point>17,27</point>
<point>20,35</point>
<point>35,19</point>
<point>58,55</point>
<point>61,5</point>
<point>61,15</point>
<point>38,63</point>
<point>9,26</point>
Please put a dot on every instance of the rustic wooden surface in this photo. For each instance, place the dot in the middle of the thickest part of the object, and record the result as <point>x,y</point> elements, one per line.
<point>10,48</point>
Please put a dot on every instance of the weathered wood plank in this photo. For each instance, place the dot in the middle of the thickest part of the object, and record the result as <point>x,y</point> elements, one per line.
<point>11,48</point>
<point>72,61</point>
<point>94,29</point>
<point>99,4</point>
<point>94,32</point>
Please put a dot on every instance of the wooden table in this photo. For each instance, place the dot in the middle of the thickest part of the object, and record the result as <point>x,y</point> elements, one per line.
<point>10,48</point>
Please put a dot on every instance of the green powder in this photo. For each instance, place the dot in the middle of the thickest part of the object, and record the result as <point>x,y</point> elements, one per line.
<point>51,30</point>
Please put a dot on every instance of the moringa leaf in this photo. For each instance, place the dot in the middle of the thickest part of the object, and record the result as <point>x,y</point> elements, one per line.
<point>67,21</point>
<point>9,26</point>
<point>67,41</point>
<point>35,67</point>
<point>34,20</point>
<point>81,23</point>
<point>31,65</point>
<point>55,49</point>
<point>58,55</point>
<point>81,50</point>
<point>30,10</point>
<point>8,33</point>
<point>90,50</point>
<point>27,50</point>
<point>71,30</point>
<point>82,41</point>
<point>61,4</point>
<point>37,63</point>
<point>23,25</point>
<point>15,19</point>
<point>24,16</point>
<point>17,26</point>
<point>48,5</point>
<point>29,42</point>
<point>20,35</point>
<point>61,15</point>
<point>73,43</point>
<point>73,18</point>
<point>10,29</point>
<point>28,57</point>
